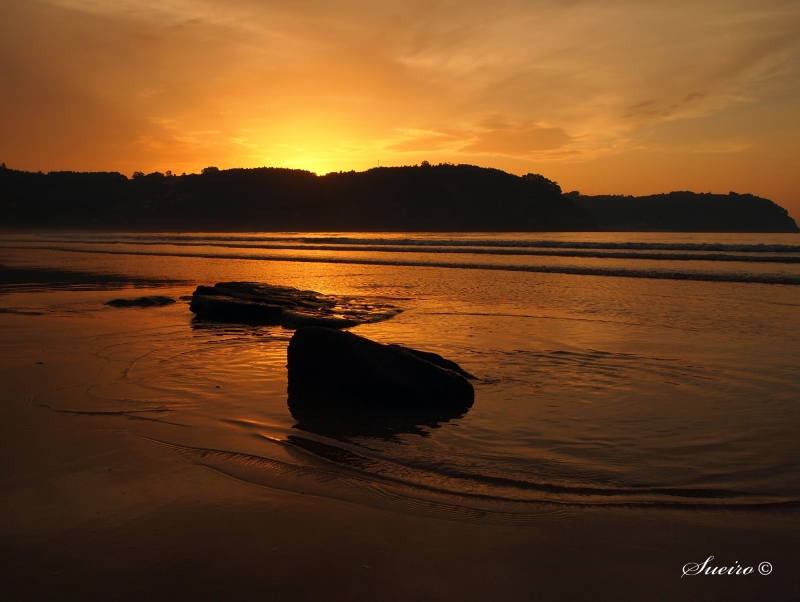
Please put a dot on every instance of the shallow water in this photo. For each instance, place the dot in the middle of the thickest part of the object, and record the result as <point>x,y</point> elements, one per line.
<point>602,379</point>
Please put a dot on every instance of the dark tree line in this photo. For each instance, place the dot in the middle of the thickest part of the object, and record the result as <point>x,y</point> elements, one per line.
<point>434,198</point>
<point>416,198</point>
<point>687,212</point>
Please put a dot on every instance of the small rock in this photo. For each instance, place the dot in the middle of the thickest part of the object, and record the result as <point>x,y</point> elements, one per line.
<point>150,301</point>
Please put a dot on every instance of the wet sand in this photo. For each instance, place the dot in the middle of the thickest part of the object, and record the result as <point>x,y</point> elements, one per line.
<point>91,511</point>
<point>92,515</point>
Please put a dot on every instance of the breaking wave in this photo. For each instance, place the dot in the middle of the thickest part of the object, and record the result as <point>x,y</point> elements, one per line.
<point>742,260</point>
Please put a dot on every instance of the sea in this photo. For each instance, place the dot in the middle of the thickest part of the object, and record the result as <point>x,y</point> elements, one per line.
<point>631,370</point>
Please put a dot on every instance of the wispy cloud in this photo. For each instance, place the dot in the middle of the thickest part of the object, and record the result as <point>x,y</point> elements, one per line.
<point>519,141</point>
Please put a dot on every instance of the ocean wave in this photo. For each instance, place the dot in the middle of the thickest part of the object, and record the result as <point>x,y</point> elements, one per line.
<point>425,242</point>
<point>473,250</point>
<point>657,274</point>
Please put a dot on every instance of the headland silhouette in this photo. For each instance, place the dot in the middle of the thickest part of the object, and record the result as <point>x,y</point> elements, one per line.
<point>435,198</point>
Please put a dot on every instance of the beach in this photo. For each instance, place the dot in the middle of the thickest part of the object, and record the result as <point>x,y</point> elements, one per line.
<point>632,416</point>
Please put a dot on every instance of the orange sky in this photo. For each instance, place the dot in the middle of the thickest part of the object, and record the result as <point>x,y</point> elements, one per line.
<point>630,97</point>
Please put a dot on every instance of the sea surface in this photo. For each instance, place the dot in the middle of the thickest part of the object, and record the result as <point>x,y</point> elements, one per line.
<point>612,369</point>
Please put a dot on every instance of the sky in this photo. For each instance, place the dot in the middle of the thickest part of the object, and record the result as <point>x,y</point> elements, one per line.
<point>602,96</point>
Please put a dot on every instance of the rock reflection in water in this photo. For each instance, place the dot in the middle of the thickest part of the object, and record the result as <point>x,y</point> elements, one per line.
<point>360,421</point>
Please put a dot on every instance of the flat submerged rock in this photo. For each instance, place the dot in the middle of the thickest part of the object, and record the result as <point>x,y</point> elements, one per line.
<point>149,301</point>
<point>269,305</point>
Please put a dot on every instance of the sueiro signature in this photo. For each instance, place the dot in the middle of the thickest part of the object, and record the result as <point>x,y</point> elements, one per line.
<point>691,569</point>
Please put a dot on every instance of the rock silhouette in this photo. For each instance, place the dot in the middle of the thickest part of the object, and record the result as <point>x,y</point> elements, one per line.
<point>269,305</point>
<point>340,378</point>
<point>149,301</point>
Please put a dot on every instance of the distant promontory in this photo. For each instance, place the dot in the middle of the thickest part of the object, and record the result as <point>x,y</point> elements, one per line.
<point>686,212</point>
<point>444,197</point>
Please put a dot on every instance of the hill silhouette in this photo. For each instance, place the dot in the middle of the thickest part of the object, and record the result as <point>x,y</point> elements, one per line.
<point>686,212</point>
<point>426,197</point>
<point>436,198</point>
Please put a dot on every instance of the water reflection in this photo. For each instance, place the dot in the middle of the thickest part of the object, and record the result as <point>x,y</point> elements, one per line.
<point>344,422</point>
<point>14,279</point>
<point>587,383</point>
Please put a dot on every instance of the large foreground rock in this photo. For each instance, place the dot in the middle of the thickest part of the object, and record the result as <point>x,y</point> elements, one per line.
<point>339,374</point>
<point>265,304</point>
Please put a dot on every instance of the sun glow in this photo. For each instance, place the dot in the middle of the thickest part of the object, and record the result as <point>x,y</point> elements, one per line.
<point>605,98</point>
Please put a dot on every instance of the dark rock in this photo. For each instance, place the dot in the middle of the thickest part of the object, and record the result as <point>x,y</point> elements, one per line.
<point>437,360</point>
<point>152,301</point>
<point>264,304</point>
<point>341,376</point>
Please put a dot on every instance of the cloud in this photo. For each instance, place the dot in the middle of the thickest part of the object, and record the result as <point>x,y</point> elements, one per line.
<point>428,143</point>
<point>492,136</point>
<point>518,142</point>
<point>414,140</point>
